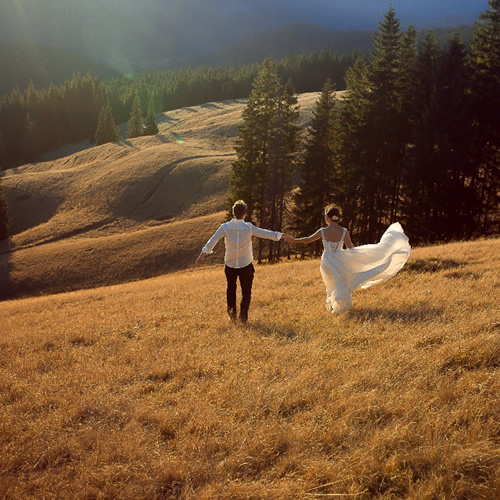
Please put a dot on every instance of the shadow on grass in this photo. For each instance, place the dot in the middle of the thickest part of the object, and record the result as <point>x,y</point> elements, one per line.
<point>211,105</point>
<point>165,118</point>
<point>270,330</point>
<point>462,275</point>
<point>417,313</point>
<point>432,265</point>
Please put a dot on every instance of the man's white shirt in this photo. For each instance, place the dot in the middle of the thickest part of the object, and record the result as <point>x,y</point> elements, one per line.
<point>238,234</point>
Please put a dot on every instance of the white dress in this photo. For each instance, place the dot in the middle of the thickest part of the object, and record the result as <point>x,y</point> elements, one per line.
<point>361,267</point>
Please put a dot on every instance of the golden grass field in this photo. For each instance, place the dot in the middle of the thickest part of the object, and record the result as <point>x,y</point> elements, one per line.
<point>88,216</point>
<point>146,391</point>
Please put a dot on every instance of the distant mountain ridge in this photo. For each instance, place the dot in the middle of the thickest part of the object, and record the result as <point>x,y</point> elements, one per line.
<point>25,62</point>
<point>22,63</point>
<point>135,36</point>
<point>299,39</point>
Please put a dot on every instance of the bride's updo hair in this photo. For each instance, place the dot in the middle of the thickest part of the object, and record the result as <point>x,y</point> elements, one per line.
<point>333,212</point>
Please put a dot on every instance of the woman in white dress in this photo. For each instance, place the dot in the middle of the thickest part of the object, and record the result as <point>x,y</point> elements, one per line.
<point>356,267</point>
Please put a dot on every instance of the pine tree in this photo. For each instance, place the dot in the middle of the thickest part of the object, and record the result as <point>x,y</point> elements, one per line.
<point>251,168</point>
<point>150,126</point>
<point>13,119</point>
<point>4,217</point>
<point>406,90</point>
<point>385,148</point>
<point>418,180</point>
<point>29,139</point>
<point>353,170</point>
<point>3,163</point>
<point>318,170</point>
<point>374,141</point>
<point>283,153</point>
<point>485,63</point>
<point>135,124</point>
<point>450,117</point>
<point>440,192</point>
<point>107,130</point>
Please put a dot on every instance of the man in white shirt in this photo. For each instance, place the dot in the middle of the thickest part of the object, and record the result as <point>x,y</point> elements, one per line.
<point>239,256</point>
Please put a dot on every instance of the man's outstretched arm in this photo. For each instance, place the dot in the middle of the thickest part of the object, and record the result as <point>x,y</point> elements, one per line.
<point>209,246</point>
<point>266,233</point>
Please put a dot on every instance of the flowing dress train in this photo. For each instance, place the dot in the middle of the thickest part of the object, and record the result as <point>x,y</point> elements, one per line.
<point>361,267</point>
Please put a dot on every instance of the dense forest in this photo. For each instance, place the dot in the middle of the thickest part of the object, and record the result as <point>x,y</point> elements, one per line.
<point>416,139</point>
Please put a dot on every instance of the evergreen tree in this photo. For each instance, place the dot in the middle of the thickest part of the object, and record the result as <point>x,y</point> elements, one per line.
<point>418,179</point>
<point>3,163</point>
<point>12,125</point>
<point>283,153</point>
<point>4,217</point>
<point>387,75</point>
<point>449,116</point>
<point>251,168</point>
<point>375,140</point>
<point>29,139</point>
<point>485,63</point>
<point>107,130</point>
<point>83,99</point>
<point>135,124</point>
<point>317,172</point>
<point>150,126</point>
<point>353,116</point>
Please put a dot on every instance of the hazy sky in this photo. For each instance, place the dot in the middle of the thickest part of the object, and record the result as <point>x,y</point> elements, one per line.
<point>117,29</point>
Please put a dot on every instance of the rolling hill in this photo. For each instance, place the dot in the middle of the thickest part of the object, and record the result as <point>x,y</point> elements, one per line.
<point>89,216</point>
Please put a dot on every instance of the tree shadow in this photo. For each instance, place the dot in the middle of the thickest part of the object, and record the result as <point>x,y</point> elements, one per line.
<point>162,138</point>
<point>164,118</point>
<point>235,101</point>
<point>432,265</point>
<point>462,275</point>
<point>418,313</point>
<point>211,105</point>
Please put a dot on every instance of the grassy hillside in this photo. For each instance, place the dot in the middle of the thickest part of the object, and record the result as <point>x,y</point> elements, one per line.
<point>113,213</point>
<point>145,390</point>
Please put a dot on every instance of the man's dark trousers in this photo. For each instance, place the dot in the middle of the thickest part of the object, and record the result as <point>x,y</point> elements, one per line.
<point>246,279</point>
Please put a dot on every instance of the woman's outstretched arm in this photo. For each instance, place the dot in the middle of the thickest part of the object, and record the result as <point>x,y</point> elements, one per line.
<point>347,241</point>
<point>309,239</point>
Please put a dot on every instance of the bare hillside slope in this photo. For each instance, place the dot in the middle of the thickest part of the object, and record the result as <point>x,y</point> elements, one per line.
<point>122,211</point>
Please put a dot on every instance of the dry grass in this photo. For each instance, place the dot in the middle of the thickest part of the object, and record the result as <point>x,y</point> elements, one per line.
<point>145,391</point>
<point>108,198</point>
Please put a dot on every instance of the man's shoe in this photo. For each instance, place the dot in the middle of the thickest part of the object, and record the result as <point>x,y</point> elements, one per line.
<point>231,314</point>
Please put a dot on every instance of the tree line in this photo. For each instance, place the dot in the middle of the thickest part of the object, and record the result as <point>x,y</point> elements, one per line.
<point>416,139</point>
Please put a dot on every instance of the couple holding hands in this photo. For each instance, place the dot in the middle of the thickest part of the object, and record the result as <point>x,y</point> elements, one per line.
<point>342,270</point>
